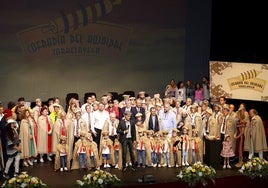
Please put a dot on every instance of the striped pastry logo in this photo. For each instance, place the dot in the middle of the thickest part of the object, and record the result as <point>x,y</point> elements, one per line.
<point>79,33</point>
<point>248,80</point>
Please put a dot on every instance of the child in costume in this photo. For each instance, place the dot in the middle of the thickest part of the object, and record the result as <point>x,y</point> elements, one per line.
<point>158,148</point>
<point>93,154</point>
<point>150,152</point>
<point>185,146</point>
<point>106,149</point>
<point>175,147</point>
<point>141,149</point>
<point>80,152</point>
<point>166,148</point>
<point>116,152</point>
<point>61,157</point>
<point>227,151</point>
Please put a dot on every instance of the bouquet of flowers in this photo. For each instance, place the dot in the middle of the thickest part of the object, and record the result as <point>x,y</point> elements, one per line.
<point>197,173</point>
<point>98,179</point>
<point>255,167</point>
<point>23,180</point>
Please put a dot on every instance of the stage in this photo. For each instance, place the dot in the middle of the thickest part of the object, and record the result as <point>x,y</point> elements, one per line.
<point>163,176</point>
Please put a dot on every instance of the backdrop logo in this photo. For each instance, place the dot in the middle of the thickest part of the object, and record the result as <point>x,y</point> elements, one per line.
<point>77,34</point>
<point>247,80</point>
<point>238,80</point>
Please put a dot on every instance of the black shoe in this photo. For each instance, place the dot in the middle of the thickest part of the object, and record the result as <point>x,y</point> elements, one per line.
<point>6,176</point>
<point>124,169</point>
<point>133,169</point>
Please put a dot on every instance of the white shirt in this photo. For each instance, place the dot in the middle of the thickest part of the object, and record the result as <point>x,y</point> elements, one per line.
<point>98,119</point>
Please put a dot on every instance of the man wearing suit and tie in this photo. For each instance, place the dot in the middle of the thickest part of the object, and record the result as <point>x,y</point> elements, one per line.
<point>139,109</point>
<point>127,137</point>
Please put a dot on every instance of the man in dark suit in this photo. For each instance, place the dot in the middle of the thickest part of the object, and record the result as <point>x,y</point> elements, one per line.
<point>129,108</point>
<point>152,121</point>
<point>127,137</point>
<point>138,109</point>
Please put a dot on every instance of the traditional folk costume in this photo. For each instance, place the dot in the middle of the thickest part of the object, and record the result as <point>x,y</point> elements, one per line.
<point>166,148</point>
<point>80,153</point>
<point>158,149</point>
<point>117,154</point>
<point>141,148</point>
<point>61,156</point>
<point>59,129</point>
<point>106,150</point>
<point>93,154</point>
<point>255,138</point>
<point>28,144</point>
<point>150,152</point>
<point>185,146</point>
<point>44,134</point>
<point>175,148</point>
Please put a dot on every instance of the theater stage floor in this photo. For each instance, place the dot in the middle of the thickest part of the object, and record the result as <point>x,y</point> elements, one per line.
<point>129,178</point>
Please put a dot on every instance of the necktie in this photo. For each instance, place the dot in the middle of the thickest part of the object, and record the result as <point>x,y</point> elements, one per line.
<point>77,128</point>
<point>223,126</point>
<point>207,127</point>
<point>89,122</point>
<point>112,128</point>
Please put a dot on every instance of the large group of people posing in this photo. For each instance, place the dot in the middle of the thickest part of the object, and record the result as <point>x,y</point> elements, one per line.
<point>175,130</point>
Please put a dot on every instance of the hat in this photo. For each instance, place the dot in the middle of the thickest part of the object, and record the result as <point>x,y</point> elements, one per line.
<point>194,105</point>
<point>158,104</point>
<point>78,111</point>
<point>149,131</point>
<point>56,105</point>
<point>138,114</point>
<point>209,110</point>
<point>165,132</point>
<point>62,137</point>
<point>185,128</point>
<point>104,133</point>
<point>175,130</point>
<point>195,131</point>
<point>126,96</point>
<point>226,106</point>
<point>82,133</point>
<point>217,104</point>
<point>11,121</point>
<point>141,92</point>
<point>157,134</point>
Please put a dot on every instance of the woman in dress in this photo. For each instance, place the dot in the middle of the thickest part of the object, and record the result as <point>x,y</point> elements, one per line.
<point>26,134</point>
<point>241,123</point>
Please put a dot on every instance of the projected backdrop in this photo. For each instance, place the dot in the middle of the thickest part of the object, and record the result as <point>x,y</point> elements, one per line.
<point>52,47</point>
